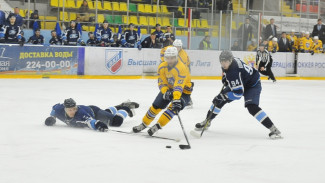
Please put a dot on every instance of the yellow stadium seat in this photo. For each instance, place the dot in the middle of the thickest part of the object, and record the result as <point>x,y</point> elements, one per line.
<point>61,2</point>
<point>51,18</point>
<point>181,10</point>
<point>193,33</point>
<point>153,30</point>
<point>79,3</point>
<point>233,25</point>
<point>133,19</point>
<point>154,9</point>
<point>181,22</point>
<point>42,24</point>
<point>90,4</point>
<point>123,7</point>
<point>50,25</point>
<point>41,17</point>
<point>71,4</point>
<point>144,31</point>
<point>141,8</point>
<point>54,3</point>
<point>185,33</point>
<point>100,18</point>
<point>107,5</point>
<point>115,6</point>
<point>204,23</point>
<point>165,21</point>
<point>159,21</point>
<point>164,9</point>
<point>152,21</point>
<point>125,19</point>
<point>215,33</point>
<point>99,5</point>
<point>85,28</point>
<point>178,32</point>
<point>148,8</point>
<point>73,16</point>
<point>196,23</point>
<point>22,13</point>
<point>143,21</point>
<point>91,28</point>
<point>64,17</point>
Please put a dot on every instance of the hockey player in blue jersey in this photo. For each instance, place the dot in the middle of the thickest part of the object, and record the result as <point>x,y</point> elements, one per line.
<point>11,32</point>
<point>37,38</point>
<point>239,80</point>
<point>130,36</point>
<point>71,35</point>
<point>90,116</point>
<point>104,35</point>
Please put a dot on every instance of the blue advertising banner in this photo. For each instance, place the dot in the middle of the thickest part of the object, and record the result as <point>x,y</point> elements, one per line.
<point>15,59</point>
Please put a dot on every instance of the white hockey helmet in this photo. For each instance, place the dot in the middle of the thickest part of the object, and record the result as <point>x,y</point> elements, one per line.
<point>171,52</point>
<point>316,37</point>
<point>275,39</point>
<point>307,33</point>
<point>178,42</point>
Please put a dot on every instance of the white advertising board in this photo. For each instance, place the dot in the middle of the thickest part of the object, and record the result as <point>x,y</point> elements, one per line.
<point>311,65</point>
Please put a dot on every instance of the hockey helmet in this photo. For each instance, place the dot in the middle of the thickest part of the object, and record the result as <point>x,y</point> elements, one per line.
<point>226,55</point>
<point>171,52</point>
<point>178,42</point>
<point>69,103</point>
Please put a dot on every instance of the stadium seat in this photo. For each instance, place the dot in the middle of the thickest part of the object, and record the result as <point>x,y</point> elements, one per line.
<point>123,7</point>
<point>175,22</point>
<point>85,28</point>
<point>133,19</point>
<point>72,16</point>
<point>143,21</point>
<point>49,25</point>
<point>54,3</point>
<point>79,3</point>
<point>115,6</point>
<point>165,21</point>
<point>90,4</point>
<point>215,33</point>
<point>51,18</point>
<point>91,28</point>
<point>132,7</point>
<point>124,19</point>
<point>181,22</point>
<point>41,17</point>
<point>154,9</point>
<point>204,23</point>
<point>64,16</point>
<point>61,2</point>
<point>152,21</point>
<point>99,5</point>
<point>100,18</point>
<point>200,33</point>
<point>233,25</point>
<point>144,31</point>
<point>109,19</point>
<point>118,19</point>
<point>107,5</point>
<point>181,10</point>
<point>159,21</point>
<point>141,8</point>
<point>164,9</point>
<point>22,13</point>
<point>71,4</point>
<point>148,8</point>
<point>178,33</point>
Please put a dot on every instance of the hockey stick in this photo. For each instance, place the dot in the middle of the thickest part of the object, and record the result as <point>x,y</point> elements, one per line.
<point>193,133</point>
<point>157,137</point>
<point>182,146</point>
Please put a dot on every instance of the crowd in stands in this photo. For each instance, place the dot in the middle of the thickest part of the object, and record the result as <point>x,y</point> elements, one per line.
<point>306,42</point>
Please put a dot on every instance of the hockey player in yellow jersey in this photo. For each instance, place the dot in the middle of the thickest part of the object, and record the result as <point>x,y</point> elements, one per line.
<point>175,89</point>
<point>182,55</point>
<point>305,44</point>
<point>317,46</point>
<point>273,45</point>
<point>299,40</point>
<point>293,39</point>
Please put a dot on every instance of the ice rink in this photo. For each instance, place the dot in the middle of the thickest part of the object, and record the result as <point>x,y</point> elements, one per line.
<point>236,148</point>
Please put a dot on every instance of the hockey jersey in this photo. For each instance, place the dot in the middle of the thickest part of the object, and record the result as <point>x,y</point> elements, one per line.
<point>104,34</point>
<point>131,37</point>
<point>36,40</point>
<point>12,33</point>
<point>263,59</point>
<point>72,35</point>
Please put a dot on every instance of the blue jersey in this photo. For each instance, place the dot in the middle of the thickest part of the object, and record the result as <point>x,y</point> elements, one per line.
<point>240,77</point>
<point>12,33</point>
<point>131,36</point>
<point>104,34</point>
<point>82,117</point>
<point>36,40</point>
<point>72,35</point>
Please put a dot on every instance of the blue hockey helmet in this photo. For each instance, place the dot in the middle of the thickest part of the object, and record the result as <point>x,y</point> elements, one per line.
<point>69,103</point>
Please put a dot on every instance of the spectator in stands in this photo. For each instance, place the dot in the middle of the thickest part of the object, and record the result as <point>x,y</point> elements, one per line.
<point>236,46</point>
<point>252,46</point>
<point>19,19</point>
<point>159,35</point>
<point>116,41</point>
<point>205,44</point>
<point>150,41</point>
<point>55,40</point>
<point>224,5</point>
<point>305,43</point>
<point>319,30</point>
<point>284,43</point>
<point>245,33</point>
<point>2,17</point>
<point>11,32</point>
<point>130,36</point>
<point>83,11</point>
<point>37,38</point>
<point>292,39</point>
<point>270,29</point>
<point>317,46</point>
<point>168,37</point>
<point>266,44</point>
<point>34,17</point>
<point>273,45</point>
<point>91,39</point>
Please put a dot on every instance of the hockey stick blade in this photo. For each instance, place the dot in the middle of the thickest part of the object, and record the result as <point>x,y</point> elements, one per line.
<point>184,146</point>
<point>147,136</point>
<point>194,134</point>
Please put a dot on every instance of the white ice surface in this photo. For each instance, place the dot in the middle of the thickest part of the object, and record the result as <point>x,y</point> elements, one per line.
<point>236,149</point>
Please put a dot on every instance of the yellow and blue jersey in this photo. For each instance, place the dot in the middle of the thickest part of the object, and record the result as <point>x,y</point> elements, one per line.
<point>182,56</point>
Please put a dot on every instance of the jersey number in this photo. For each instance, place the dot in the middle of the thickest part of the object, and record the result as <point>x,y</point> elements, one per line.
<point>248,69</point>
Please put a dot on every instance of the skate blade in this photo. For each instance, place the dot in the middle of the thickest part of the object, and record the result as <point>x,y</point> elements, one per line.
<point>275,137</point>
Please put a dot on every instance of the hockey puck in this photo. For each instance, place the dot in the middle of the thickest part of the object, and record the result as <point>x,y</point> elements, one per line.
<point>168,146</point>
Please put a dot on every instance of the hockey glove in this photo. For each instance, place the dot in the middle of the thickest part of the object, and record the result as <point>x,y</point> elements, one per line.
<point>219,99</point>
<point>224,80</point>
<point>50,121</point>
<point>168,95</point>
<point>100,126</point>
<point>177,106</point>
<point>312,52</point>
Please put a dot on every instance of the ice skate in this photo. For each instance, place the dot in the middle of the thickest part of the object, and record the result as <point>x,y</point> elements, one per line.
<point>139,128</point>
<point>130,105</point>
<point>154,129</point>
<point>275,133</point>
<point>200,126</point>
